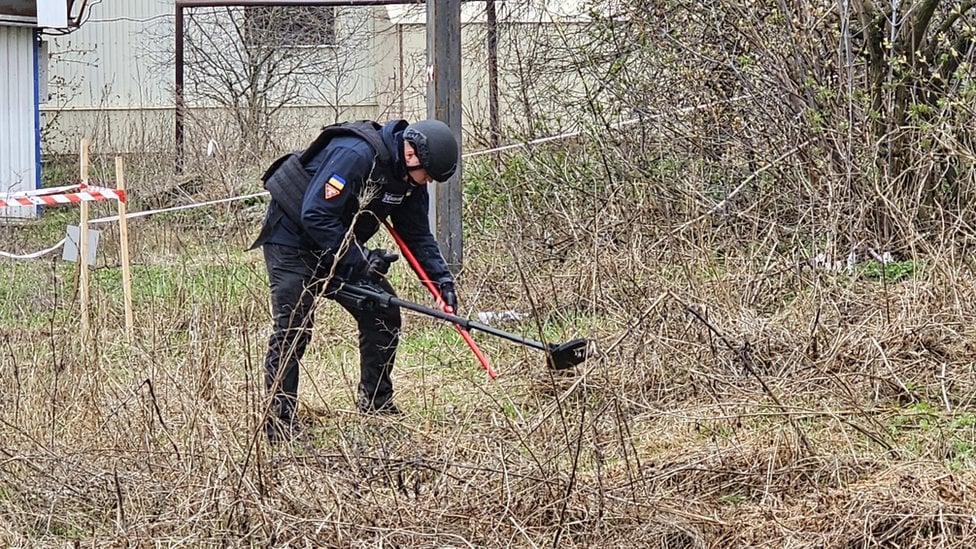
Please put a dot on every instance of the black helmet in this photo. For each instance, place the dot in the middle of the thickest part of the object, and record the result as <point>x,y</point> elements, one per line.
<point>436,147</point>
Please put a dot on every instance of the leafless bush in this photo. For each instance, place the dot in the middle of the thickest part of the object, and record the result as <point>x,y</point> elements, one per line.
<point>846,112</point>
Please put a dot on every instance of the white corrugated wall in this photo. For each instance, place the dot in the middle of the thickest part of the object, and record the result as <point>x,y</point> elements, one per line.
<point>119,58</point>
<point>18,116</point>
<point>112,80</point>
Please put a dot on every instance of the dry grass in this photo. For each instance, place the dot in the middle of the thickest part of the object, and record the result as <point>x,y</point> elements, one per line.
<point>747,401</point>
<point>741,396</point>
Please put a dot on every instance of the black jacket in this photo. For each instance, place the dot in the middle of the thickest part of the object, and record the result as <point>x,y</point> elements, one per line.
<point>346,176</point>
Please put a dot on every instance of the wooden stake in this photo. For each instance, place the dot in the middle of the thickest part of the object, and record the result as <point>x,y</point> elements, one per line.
<point>83,248</point>
<point>124,238</point>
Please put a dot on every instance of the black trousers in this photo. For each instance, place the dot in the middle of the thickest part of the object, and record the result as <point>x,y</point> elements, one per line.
<point>297,277</point>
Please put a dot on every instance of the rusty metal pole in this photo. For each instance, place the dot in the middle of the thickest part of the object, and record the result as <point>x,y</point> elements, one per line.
<point>493,120</point>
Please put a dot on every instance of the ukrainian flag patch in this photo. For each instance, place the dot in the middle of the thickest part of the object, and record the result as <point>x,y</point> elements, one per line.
<point>334,186</point>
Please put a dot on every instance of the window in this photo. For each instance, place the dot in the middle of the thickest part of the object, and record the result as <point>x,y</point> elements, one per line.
<point>18,11</point>
<point>296,26</point>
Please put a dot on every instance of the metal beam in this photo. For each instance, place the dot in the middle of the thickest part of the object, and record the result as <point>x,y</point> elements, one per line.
<point>493,120</point>
<point>178,88</point>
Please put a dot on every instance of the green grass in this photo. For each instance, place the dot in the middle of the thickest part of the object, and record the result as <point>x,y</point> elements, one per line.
<point>892,271</point>
<point>929,432</point>
<point>51,290</point>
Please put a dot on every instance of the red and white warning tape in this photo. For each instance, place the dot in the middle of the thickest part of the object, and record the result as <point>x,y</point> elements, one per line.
<point>69,194</point>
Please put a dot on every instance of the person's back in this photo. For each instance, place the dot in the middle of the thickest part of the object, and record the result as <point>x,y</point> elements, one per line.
<point>352,158</point>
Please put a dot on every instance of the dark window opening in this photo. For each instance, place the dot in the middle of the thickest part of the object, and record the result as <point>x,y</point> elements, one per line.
<point>26,9</point>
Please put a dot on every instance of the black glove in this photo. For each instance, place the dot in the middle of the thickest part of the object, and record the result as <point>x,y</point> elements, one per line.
<point>449,295</point>
<point>378,263</point>
<point>365,265</point>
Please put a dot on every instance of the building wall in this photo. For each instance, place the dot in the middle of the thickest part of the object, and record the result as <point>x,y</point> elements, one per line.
<point>536,80</point>
<point>113,79</point>
<point>18,127</point>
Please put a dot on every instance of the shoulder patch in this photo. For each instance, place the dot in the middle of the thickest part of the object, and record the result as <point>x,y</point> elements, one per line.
<point>334,186</point>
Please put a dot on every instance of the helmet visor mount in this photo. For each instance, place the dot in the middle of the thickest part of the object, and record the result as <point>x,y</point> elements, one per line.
<point>418,141</point>
<point>436,148</point>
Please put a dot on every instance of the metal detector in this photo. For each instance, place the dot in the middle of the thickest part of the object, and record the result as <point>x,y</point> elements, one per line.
<point>559,356</point>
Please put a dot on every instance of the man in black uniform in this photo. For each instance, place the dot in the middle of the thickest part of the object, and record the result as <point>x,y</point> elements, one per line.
<point>350,192</point>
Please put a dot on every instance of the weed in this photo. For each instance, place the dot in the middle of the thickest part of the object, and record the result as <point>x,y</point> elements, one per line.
<point>892,271</point>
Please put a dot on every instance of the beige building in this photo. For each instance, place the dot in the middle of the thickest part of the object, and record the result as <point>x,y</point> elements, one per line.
<point>113,79</point>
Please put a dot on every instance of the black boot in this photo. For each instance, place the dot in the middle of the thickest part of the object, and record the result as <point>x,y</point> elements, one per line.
<point>281,425</point>
<point>371,404</point>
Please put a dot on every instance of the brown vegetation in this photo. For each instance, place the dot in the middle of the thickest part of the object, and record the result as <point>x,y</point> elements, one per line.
<point>782,308</point>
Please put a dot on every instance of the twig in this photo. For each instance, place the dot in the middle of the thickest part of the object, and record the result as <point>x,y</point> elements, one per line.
<point>746,360</point>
